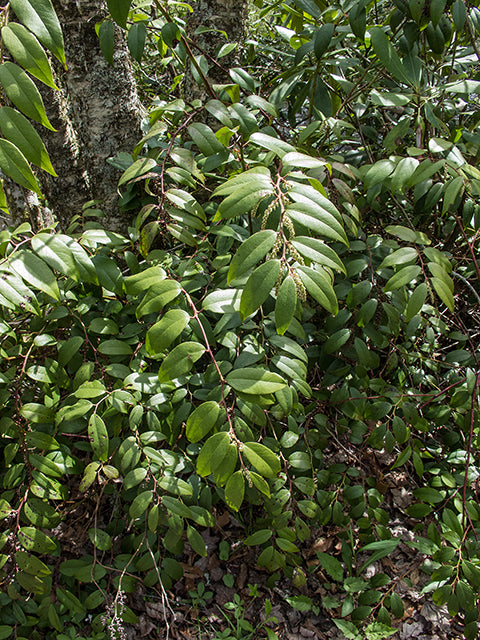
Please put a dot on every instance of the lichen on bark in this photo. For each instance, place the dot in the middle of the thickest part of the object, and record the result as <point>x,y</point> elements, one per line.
<point>219,21</point>
<point>97,114</point>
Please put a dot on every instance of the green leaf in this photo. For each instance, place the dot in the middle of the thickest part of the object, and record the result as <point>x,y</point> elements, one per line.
<point>55,251</point>
<point>163,333</point>
<point>322,38</point>
<point>202,420</point>
<point>263,459</point>
<point>205,139</point>
<point>259,537</point>
<point>459,14</point>
<point>387,55</point>
<point>222,301</point>
<point>46,466</point>
<point>452,190</point>
<point>138,169</point>
<point>142,281</point>
<point>176,507</point>
<point>140,504</point>
<point>31,564</point>
<point>157,297</point>
<point>331,565</point>
<point>136,40</point>
<point>403,255</point>
<point>416,301</point>
<point>98,434</point>
<point>243,192</point>
<point>258,287</point>
<point>319,286</point>
<point>404,276</point>
<point>255,381</point>
<point>134,477</point>
<point>437,8</point>
<point>180,360</point>
<point>408,235</point>
<point>115,348</point>
<point>279,147</point>
<point>403,174</point>
<point>176,485</point>
<point>285,304</point>
<point>381,548</point>
<point>39,16</point>
<point>18,130</point>
<point>106,38</point>
<point>250,252</point>
<point>119,10</point>
<point>70,601</point>
<point>21,90</point>
<point>317,251</point>
<point>294,159</point>
<point>33,539</point>
<point>214,449</point>
<point>100,539</point>
<point>312,216</point>
<point>34,271</point>
<point>196,541</point>
<point>235,490</point>
<point>28,52</point>
<point>14,164</point>
<point>444,292</point>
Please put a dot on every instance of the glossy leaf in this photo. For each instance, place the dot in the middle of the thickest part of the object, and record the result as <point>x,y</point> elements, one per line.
<point>196,541</point>
<point>18,130</point>
<point>311,216</point>
<point>28,52</point>
<point>55,251</point>
<point>98,434</point>
<point>165,331</point>
<point>39,16</point>
<point>235,490</point>
<point>106,37</point>
<point>202,420</point>
<point>180,360</point>
<point>258,287</point>
<point>14,164</point>
<point>136,40</point>
<point>285,304</point>
<point>319,252</point>
<point>402,277</point>
<point>21,90</point>
<point>33,539</point>
<point>387,55</point>
<point>263,459</point>
<point>250,252</point>
<point>34,271</point>
<point>119,10</point>
<point>213,450</point>
<point>252,380</point>
<point>319,286</point>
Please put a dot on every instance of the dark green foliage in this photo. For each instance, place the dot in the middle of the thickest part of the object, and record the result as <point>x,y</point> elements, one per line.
<point>279,299</point>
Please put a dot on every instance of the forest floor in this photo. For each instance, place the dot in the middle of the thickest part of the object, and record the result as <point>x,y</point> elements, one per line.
<point>222,596</point>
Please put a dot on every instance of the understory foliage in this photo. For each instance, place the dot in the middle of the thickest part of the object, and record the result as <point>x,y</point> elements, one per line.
<point>288,330</point>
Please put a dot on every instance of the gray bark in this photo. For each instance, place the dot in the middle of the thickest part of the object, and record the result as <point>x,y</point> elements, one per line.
<point>97,114</point>
<point>221,15</point>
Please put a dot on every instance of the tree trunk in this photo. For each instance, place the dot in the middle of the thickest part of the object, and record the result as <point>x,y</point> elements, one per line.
<point>97,114</point>
<point>216,16</point>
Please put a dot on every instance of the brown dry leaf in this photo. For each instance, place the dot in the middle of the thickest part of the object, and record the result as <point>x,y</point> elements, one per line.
<point>223,519</point>
<point>321,545</point>
<point>242,576</point>
<point>191,572</point>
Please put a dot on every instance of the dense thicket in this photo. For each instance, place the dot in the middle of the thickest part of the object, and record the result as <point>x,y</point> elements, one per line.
<point>289,330</point>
